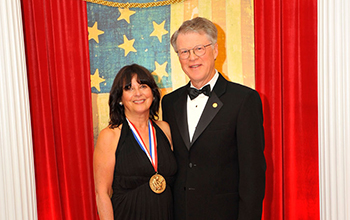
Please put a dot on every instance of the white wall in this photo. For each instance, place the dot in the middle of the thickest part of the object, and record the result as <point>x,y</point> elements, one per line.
<point>17,182</point>
<point>334,108</point>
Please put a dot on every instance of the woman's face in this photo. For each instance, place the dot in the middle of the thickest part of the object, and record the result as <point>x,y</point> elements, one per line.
<point>137,98</point>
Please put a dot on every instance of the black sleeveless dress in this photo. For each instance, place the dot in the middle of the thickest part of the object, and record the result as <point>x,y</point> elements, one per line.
<point>132,197</point>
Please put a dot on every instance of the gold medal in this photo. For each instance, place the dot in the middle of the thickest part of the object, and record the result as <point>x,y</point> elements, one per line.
<point>157,183</point>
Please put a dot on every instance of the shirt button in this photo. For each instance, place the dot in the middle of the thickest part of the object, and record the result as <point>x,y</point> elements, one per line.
<point>190,165</point>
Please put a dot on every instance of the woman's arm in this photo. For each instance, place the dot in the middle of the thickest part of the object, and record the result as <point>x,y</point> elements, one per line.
<point>104,163</point>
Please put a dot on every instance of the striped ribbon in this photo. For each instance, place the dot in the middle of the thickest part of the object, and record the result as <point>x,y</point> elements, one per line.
<point>152,152</point>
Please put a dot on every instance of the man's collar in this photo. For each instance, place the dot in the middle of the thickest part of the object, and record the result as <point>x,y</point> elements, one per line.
<point>212,82</point>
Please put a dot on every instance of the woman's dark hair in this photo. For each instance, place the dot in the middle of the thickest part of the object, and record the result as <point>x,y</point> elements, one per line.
<point>123,81</point>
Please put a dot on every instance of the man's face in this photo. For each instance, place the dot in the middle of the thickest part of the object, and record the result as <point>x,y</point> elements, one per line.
<point>200,69</point>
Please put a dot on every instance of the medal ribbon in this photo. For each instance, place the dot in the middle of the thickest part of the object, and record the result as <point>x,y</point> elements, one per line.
<point>152,153</point>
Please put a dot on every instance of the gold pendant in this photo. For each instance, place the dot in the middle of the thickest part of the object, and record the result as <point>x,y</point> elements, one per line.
<point>157,183</point>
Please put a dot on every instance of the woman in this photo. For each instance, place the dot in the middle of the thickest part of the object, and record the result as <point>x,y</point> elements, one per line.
<point>133,161</point>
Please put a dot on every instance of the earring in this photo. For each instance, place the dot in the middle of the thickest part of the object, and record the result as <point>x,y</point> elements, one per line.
<point>120,103</point>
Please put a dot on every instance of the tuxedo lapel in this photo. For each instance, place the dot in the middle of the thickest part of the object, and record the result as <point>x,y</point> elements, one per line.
<point>212,107</point>
<point>180,109</point>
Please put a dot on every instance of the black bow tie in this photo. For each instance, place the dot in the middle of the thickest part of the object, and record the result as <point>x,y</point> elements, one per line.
<point>193,92</point>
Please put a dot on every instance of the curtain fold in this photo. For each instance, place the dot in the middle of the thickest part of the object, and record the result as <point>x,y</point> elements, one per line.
<point>60,101</point>
<point>286,78</point>
<point>268,83</point>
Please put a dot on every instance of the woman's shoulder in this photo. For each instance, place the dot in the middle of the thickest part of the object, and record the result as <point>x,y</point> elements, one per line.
<point>109,132</point>
<point>109,136</point>
<point>163,125</point>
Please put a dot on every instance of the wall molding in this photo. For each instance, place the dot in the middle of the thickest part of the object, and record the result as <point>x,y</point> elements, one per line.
<point>334,108</point>
<point>17,177</point>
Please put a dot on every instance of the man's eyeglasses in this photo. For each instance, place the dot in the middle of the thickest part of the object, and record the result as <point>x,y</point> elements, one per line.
<point>198,50</point>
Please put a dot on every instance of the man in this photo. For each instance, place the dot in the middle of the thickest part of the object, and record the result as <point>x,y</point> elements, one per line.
<point>218,136</point>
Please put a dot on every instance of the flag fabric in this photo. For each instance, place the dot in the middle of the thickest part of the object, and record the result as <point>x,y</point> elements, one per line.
<point>122,36</point>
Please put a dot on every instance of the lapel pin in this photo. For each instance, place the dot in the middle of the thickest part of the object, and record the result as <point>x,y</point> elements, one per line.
<point>215,105</point>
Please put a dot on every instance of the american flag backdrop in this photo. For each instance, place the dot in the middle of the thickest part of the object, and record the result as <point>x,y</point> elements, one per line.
<point>122,36</point>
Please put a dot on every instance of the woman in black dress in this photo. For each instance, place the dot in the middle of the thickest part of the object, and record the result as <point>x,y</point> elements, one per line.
<point>134,165</point>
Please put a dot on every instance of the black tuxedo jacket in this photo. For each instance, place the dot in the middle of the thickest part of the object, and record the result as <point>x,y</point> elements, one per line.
<point>221,173</point>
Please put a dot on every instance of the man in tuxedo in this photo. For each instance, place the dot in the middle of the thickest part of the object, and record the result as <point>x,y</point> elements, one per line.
<point>217,132</point>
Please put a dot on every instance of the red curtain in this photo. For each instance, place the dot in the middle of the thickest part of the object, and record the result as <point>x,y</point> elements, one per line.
<point>57,52</point>
<point>286,78</point>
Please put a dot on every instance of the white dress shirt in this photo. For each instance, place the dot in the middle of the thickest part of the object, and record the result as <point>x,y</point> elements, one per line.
<point>196,106</point>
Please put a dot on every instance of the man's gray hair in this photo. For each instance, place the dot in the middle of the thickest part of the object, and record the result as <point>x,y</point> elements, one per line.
<point>198,25</point>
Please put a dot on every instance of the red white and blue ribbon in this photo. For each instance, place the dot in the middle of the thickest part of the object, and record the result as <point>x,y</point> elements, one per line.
<point>152,153</point>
